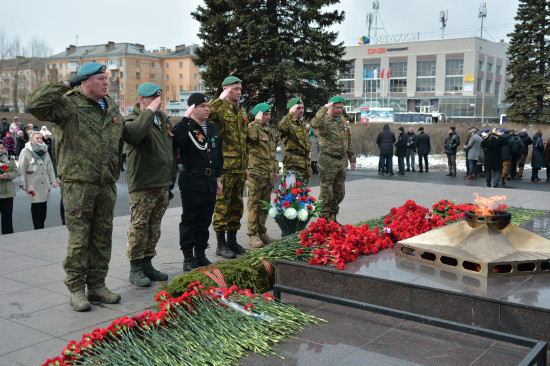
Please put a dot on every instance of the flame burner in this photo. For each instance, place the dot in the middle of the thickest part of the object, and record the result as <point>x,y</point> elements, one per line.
<point>483,245</point>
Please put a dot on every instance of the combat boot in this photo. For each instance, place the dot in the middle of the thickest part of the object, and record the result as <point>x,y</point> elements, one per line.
<point>79,301</point>
<point>266,239</point>
<point>103,294</point>
<point>232,242</point>
<point>255,241</point>
<point>190,264</point>
<point>137,275</point>
<point>222,250</point>
<point>151,272</point>
<point>200,257</point>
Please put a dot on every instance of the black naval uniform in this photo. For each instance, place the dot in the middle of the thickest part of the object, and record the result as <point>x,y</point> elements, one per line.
<point>202,160</point>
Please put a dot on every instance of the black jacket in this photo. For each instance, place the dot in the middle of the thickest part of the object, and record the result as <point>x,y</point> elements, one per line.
<point>385,141</point>
<point>411,139</point>
<point>526,140</point>
<point>423,143</point>
<point>493,151</point>
<point>401,145</point>
<point>452,141</point>
<point>197,156</point>
<point>507,149</point>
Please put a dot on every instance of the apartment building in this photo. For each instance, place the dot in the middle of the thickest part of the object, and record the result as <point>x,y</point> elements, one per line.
<point>20,76</point>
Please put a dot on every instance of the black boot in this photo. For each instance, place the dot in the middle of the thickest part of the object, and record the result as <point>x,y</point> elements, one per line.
<point>232,242</point>
<point>200,257</point>
<point>189,262</point>
<point>222,250</point>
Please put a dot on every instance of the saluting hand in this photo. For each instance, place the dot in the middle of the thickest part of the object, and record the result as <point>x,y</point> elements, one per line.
<point>224,94</point>
<point>259,115</point>
<point>155,105</point>
<point>328,105</point>
<point>293,108</point>
<point>189,111</point>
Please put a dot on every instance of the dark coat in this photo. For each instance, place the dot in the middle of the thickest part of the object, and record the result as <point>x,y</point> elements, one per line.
<point>526,140</point>
<point>401,145</point>
<point>195,160</point>
<point>385,141</point>
<point>547,153</point>
<point>19,145</point>
<point>423,143</point>
<point>493,151</point>
<point>507,149</point>
<point>537,158</point>
<point>411,139</point>
<point>452,141</point>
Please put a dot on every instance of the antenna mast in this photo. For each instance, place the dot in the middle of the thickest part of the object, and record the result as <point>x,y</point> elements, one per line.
<point>369,22</point>
<point>482,14</point>
<point>443,17</point>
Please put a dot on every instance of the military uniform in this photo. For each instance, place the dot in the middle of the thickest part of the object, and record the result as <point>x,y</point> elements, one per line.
<point>262,165</point>
<point>88,151</point>
<point>202,160</point>
<point>295,137</point>
<point>336,149</point>
<point>233,125</point>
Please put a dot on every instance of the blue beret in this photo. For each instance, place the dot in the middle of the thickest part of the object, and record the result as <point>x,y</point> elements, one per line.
<point>293,102</point>
<point>91,68</point>
<point>149,90</point>
<point>263,107</point>
<point>231,80</point>
<point>336,99</point>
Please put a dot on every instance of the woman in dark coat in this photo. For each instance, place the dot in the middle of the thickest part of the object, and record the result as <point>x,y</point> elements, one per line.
<point>493,158</point>
<point>547,160</point>
<point>537,158</point>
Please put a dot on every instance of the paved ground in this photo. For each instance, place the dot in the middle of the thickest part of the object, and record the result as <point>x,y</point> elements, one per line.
<point>36,321</point>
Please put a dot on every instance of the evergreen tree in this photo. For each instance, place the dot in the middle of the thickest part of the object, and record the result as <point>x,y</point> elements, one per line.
<point>279,48</point>
<point>529,54</point>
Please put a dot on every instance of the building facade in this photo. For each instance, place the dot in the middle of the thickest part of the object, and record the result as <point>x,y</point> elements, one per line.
<point>18,77</point>
<point>462,78</point>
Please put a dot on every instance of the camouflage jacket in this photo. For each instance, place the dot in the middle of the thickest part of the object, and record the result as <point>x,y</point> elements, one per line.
<point>295,137</point>
<point>334,135</point>
<point>150,157</point>
<point>233,129</point>
<point>262,145</point>
<point>88,138</point>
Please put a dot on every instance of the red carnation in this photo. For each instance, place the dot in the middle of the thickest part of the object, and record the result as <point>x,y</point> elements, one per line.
<point>298,184</point>
<point>441,208</point>
<point>434,206</point>
<point>312,199</point>
<point>4,168</point>
<point>452,212</point>
<point>310,207</point>
<point>286,204</point>
<point>304,198</point>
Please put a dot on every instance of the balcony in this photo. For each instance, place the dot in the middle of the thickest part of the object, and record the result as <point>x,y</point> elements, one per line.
<point>114,85</point>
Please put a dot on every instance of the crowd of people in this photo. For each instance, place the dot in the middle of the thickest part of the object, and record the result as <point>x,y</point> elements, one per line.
<point>499,155</point>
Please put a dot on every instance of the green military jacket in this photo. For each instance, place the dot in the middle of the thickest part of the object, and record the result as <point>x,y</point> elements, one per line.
<point>295,137</point>
<point>88,138</point>
<point>334,135</point>
<point>7,187</point>
<point>234,130</point>
<point>262,146</point>
<point>150,161</point>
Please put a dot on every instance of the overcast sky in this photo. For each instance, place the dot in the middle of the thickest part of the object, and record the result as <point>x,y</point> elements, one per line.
<point>167,23</point>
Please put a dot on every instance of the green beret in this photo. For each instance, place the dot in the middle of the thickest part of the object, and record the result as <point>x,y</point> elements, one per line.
<point>262,107</point>
<point>91,68</point>
<point>149,90</point>
<point>336,99</point>
<point>293,102</point>
<point>231,80</point>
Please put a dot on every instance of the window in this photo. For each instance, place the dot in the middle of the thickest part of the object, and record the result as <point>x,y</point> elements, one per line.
<point>181,65</point>
<point>166,65</point>
<point>166,77</point>
<point>181,87</point>
<point>153,65</point>
<point>122,98</point>
<point>398,77</point>
<point>121,86</point>
<point>113,74</point>
<point>196,76</point>
<point>489,67</point>
<point>113,62</point>
<point>181,76</point>
<point>167,99</point>
<point>138,75</point>
<point>346,80</point>
<point>138,64</point>
<point>454,75</point>
<point>489,86</point>
<point>371,78</point>
<point>121,74</point>
<point>480,65</point>
<point>153,77</point>
<point>425,76</point>
<point>498,69</point>
<point>479,85</point>
<point>121,62</point>
<point>137,86</point>
<point>196,88</point>
<point>497,88</point>
<point>60,66</point>
<point>167,88</point>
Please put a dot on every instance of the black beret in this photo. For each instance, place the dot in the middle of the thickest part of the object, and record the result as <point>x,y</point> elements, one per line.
<point>452,128</point>
<point>401,129</point>
<point>421,129</point>
<point>197,98</point>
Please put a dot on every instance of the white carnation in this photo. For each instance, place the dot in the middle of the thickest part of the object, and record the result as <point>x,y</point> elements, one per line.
<point>290,213</point>
<point>303,215</point>
<point>273,212</point>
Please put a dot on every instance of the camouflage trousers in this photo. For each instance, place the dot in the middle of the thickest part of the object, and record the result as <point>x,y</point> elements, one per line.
<point>332,177</point>
<point>89,211</point>
<point>229,204</point>
<point>148,207</point>
<point>258,188</point>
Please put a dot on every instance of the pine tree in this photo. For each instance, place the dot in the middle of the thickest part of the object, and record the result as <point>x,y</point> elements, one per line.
<point>529,54</point>
<point>279,48</point>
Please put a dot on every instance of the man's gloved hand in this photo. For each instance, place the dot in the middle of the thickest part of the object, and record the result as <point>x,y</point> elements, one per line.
<point>77,80</point>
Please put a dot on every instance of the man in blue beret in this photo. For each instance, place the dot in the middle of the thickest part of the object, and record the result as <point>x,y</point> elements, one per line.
<point>89,148</point>
<point>230,116</point>
<point>336,150</point>
<point>295,138</point>
<point>148,136</point>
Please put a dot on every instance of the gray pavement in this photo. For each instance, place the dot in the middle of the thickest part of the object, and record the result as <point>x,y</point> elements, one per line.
<point>37,322</point>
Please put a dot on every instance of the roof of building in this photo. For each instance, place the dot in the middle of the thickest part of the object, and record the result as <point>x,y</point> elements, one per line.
<point>24,63</point>
<point>182,51</point>
<point>109,49</point>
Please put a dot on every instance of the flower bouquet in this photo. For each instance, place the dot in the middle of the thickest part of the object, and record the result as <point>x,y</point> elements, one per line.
<point>292,206</point>
<point>444,208</point>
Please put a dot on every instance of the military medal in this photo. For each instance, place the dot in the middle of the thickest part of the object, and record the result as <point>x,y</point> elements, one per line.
<point>114,118</point>
<point>168,130</point>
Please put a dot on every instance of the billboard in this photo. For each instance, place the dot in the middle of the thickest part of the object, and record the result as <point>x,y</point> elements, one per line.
<point>376,115</point>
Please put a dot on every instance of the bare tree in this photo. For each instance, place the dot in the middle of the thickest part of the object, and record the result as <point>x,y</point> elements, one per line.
<point>37,49</point>
<point>4,51</point>
<point>17,52</point>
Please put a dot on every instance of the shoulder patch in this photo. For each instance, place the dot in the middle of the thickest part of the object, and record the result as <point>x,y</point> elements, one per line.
<point>69,92</point>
